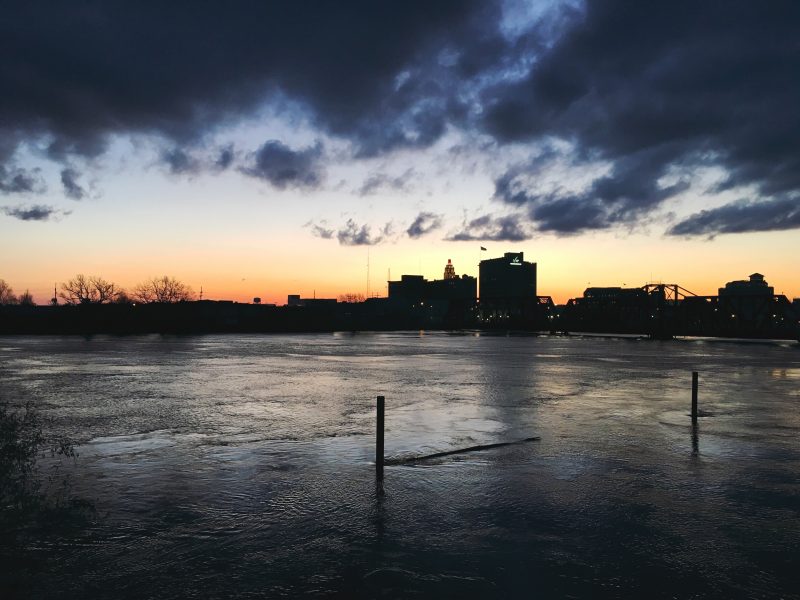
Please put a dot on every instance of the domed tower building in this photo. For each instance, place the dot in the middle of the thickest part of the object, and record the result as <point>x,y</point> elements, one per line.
<point>450,270</point>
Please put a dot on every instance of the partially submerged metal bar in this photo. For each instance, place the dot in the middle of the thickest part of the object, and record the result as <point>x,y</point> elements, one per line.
<point>416,459</point>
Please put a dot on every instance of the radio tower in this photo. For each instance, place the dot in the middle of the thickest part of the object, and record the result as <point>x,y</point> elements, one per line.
<point>449,270</point>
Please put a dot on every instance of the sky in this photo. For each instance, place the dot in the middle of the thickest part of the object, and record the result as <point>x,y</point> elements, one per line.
<point>259,149</point>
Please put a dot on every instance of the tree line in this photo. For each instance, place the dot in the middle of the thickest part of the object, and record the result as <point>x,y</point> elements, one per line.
<point>7,296</point>
<point>92,289</point>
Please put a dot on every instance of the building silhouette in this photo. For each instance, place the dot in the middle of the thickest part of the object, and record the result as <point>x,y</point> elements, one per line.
<point>508,290</point>
<point>755,286</point>
<point>449,301</point>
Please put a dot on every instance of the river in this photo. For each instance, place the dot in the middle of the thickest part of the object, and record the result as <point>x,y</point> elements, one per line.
<point>243,466</point>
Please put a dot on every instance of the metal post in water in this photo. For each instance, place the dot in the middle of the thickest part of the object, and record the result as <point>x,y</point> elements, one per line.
<point>379,440</point>
<point>694,397</point>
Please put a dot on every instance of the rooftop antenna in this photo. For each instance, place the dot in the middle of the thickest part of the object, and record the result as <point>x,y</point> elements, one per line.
<point>367,271</point>
<point>201,292</point>
<point>54,301</point>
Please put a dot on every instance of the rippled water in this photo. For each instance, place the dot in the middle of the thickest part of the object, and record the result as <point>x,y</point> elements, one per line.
<point>242,466</point>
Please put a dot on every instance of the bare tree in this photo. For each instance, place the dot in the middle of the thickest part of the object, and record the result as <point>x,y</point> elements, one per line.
<point>89,290</point>
<point>162,289</point>
<point>351,297</point>
<point>26,299</point>
<point>123,298</point>
<point>6,293</point>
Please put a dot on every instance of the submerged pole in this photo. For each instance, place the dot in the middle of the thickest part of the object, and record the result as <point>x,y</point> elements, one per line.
<point>379,440</point>
<point>694,397</point>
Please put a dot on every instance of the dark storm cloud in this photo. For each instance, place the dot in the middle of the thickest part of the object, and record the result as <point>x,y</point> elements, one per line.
<point>37,212</point>
<point>742,216</point>
<point>72,189</point>
<point>283,167</point>
<point>644,87</point>
<point>423,224</point>
<point>650,86</point>
<point>20,181</point>
<point>509,228</point>
<point>83,71</point>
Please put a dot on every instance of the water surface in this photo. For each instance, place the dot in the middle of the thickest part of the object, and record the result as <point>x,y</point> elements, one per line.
<point>241,466</point>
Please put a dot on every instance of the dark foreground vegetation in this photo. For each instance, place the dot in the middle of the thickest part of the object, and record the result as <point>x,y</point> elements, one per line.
<point>37,507</point>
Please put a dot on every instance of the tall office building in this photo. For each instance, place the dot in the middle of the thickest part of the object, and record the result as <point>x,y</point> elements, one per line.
<point>507,288</point>
<point>509,277</point>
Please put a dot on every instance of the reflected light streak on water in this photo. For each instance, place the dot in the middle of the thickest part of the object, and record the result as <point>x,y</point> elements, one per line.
<point>241,465</point>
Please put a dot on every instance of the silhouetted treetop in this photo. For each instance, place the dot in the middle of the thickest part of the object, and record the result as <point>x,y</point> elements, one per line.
<point>6,293</point>
<point>162,289</point>
<point>89,290</point>
<point>26,299</point>
<point>351,297</point>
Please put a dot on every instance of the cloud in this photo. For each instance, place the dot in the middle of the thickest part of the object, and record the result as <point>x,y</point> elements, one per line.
<point>179,162</point>
<point>381,181</point>
<point>645,88</point>
<point>742,216</point>
<point>20,181</point>
<point>351,233</point>
<point>225,158</point>
<point>339,64</point>
<point>423,224</point>
<point>630,190</point>
<point>509,228</point>
<point>283,167</point>
<point>72,189</point>
<point>321,231</point>
<point>355,235</point>
<point>651,88</point>
<point>36,212</point>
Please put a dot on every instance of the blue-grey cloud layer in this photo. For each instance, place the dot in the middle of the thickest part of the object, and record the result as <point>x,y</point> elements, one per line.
<point>740,217</point>
<point>72,189</point>
<point>18,181</point>
<point>284,167</point>
<point>647,88</point>
<point>508,228</point>
<point>424,223</point>
<point>36,212</point>
<point>650,86</point>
